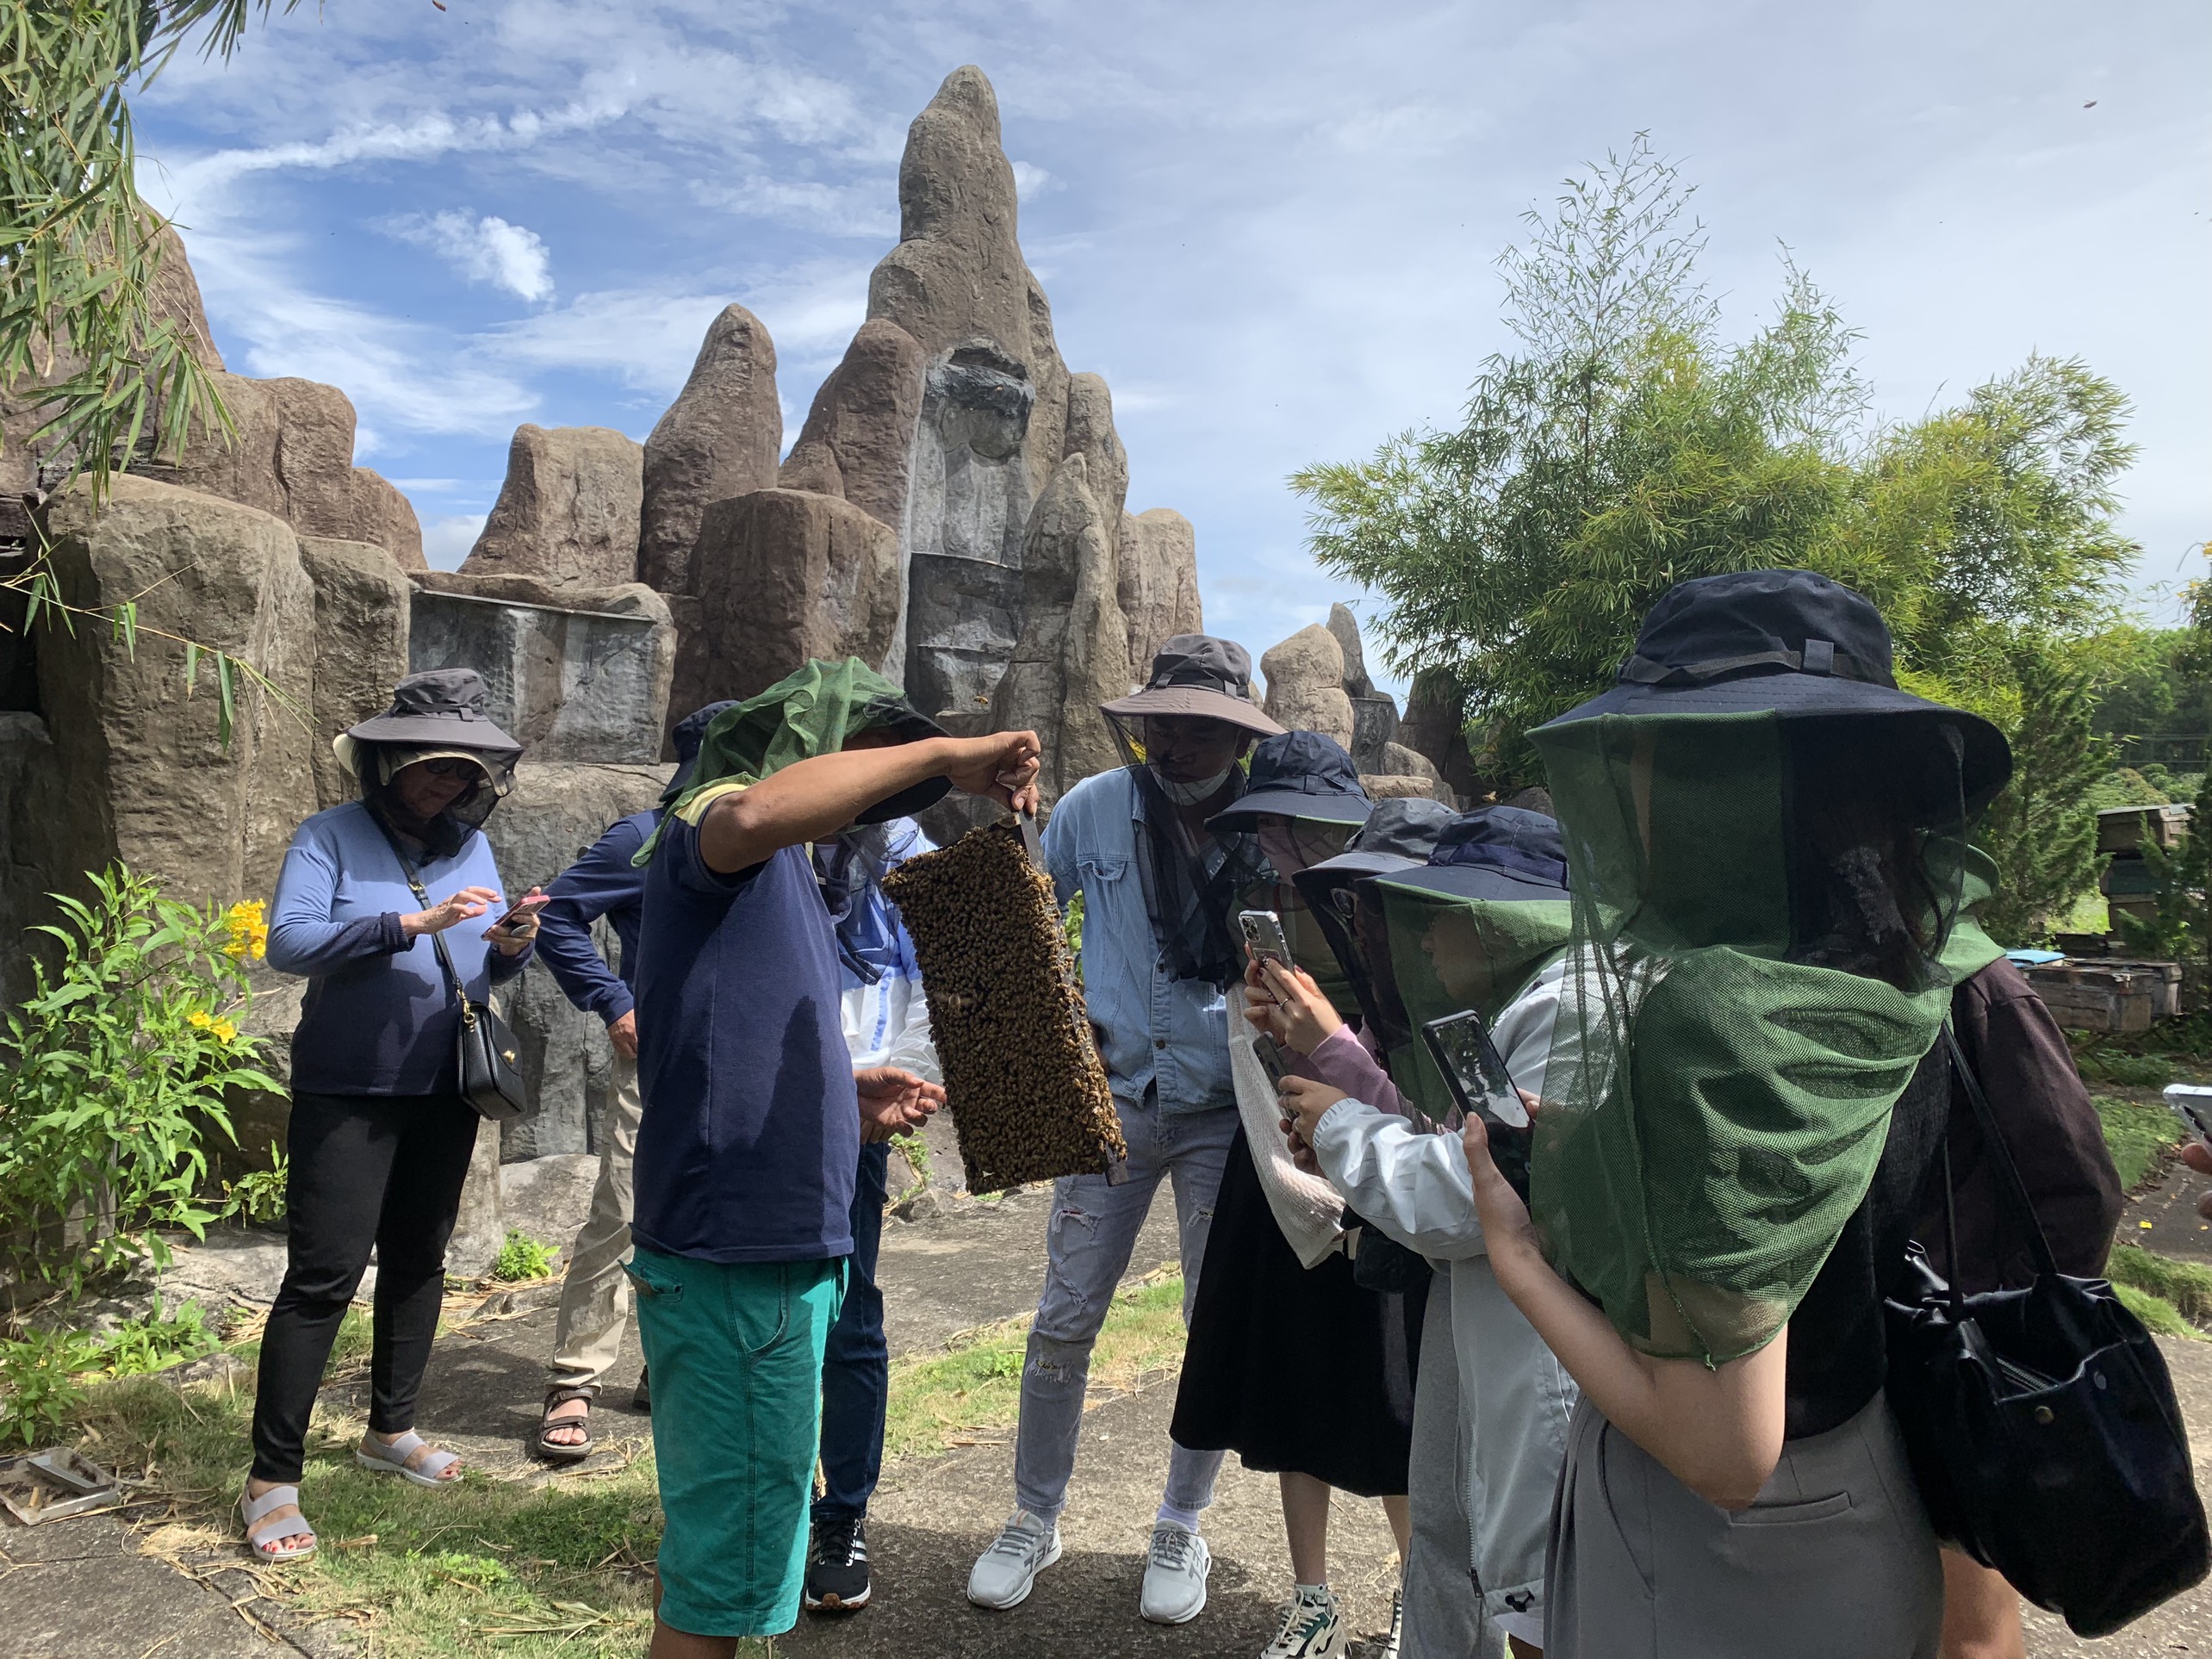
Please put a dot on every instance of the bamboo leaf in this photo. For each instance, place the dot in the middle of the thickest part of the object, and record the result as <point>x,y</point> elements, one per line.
<point>191,664</point>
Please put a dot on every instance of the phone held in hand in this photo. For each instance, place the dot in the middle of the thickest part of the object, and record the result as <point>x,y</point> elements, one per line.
<point>1271,1060</point>
<point>525,907</point>
<point>1475,1073</point>
<point>1262,936</point>
<point>2192,1104</point>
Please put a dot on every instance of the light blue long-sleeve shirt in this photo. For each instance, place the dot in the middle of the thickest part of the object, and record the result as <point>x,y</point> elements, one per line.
<point>379,1017</point>
<point>1155,1030</point>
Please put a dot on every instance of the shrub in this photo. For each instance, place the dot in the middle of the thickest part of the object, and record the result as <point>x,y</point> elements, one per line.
<point>43,1373</point>
<point>523,1258</point>
<point>108,1071</point>
<point>259,1196</point>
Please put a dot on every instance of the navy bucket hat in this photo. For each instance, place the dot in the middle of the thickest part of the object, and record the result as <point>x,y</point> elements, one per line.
<point>1301,775</point>
<point>1789,643</point>
<point>1495,853</point>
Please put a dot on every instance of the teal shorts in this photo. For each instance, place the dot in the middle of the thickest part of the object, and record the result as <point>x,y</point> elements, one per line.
<point>735,1350</point>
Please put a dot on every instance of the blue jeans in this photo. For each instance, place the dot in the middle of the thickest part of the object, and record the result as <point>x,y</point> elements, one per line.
<point>856,1366</point>
<point>1093,1228</point>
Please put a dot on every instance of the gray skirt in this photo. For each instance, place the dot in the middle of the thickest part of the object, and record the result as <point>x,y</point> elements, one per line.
<point>1834,1560</point>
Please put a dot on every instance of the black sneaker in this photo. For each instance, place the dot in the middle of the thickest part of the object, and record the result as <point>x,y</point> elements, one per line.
<point>837,1567</point>
<point>642,1400</point>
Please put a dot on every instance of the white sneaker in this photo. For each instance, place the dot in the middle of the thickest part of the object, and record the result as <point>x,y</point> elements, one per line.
<point>1390,1645</point>
<point>1312,1628</point>
<point>1004,1574</point>
<point>1175,1576</point>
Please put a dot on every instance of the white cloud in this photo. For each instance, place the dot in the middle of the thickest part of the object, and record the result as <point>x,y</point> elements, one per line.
<point>446,542</point>
<point>1031,181</point>
<point>486,250</point>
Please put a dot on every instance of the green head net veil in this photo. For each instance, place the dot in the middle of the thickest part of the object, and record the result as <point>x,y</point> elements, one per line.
<point>814,712</point>
<point>1765,912</point>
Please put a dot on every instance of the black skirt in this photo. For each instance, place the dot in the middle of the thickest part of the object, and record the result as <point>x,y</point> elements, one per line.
<point>1295,1370</point>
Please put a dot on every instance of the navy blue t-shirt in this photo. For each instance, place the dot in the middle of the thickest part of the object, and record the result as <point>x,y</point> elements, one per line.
<point>751,1137</point>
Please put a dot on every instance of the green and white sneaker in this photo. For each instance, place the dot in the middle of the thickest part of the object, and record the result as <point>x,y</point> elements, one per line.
<point>1388,1647</point>
<point>1313,1627</point>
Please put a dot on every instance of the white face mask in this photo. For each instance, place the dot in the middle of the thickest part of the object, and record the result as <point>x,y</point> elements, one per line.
<point>1191,794</point>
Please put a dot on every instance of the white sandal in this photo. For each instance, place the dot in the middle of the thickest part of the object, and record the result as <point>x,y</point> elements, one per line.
<point>390,1457</point>
<point>264,1536</point>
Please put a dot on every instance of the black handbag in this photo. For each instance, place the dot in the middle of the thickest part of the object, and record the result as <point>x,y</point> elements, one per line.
<point>485,1073</point>
<point>2041,1425</point>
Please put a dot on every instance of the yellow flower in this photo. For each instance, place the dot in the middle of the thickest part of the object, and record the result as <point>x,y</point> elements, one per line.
<point>225,1031</point>
<point>199,1017</point>
<point>247,923</point>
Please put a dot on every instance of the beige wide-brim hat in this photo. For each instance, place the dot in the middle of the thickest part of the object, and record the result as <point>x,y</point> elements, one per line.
<point>1196,676</point>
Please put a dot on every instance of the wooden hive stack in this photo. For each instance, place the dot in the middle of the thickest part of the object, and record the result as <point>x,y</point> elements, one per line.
<point>1023,1077</point>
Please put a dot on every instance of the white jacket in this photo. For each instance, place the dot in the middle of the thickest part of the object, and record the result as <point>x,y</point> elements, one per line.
<point>1515,1397</point>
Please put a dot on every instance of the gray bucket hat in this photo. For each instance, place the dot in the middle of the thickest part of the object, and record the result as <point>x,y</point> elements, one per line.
<point>441,709</point>
<point>1199,676</point>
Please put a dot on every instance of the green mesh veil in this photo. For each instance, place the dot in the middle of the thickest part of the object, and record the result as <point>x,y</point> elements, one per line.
<point>810,712</point>
<point>1765,910</point>
<point>1436,952</point>
<point>1301,928</point>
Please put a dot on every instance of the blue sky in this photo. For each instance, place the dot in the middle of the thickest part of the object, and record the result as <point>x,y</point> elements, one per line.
<point>1271,227</point>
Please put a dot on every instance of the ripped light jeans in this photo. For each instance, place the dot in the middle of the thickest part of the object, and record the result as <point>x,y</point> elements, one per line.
<point>1093,1230</point>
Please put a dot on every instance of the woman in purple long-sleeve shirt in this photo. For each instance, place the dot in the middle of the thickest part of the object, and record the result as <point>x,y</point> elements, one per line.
<point>380,1140</point>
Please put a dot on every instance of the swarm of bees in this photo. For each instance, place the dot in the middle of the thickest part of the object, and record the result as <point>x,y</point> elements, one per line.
<point>1023,1080</point>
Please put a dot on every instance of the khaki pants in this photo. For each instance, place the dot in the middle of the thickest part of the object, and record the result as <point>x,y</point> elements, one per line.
<point>595,1295</point>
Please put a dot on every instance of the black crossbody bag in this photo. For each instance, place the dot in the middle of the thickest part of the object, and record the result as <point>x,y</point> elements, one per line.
<point>484,1070</point>
<point>2042,1424</point>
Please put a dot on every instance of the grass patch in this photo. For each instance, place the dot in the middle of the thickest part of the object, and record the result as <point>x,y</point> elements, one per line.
<point>946,1399</point>
<point>2139,1135</point>
<point>554,1571</point>
<point>2186,1285</point>
<point>2159,1316</point>
<point>2128,1070</point>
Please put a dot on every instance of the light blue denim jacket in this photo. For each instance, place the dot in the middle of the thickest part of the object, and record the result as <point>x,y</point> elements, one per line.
<point>1173,1033</point>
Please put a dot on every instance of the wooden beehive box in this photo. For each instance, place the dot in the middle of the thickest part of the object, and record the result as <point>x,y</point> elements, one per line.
<point>2123,829</point>
<point>1023,1081</point>
<point>2116,996</point>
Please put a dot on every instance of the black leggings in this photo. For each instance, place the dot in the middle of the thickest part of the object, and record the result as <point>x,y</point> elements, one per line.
<point>385,1170</point>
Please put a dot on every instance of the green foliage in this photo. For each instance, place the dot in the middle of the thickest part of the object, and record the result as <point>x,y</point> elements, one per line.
<point>1071,930</point>
<point>2187,1285</point>
<point>1624,446</point>
<point>2155,700</point>
<point>916,1151</point>
<point>522,1257</point>
<point>108,1073</point>
<point>2125,786</point>
<point>2159,1316</point>
<point>259,1196</point>
<point>2139,1136</point>
<point>2042,830</point>
<point>44,1374</point>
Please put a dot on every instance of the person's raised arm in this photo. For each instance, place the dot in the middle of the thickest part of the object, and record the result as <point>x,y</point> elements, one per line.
<point>1718,1431</point>
<point>814,798</point>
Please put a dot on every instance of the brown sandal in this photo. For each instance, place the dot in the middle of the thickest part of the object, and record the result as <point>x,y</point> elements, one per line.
<point>553,1451</point>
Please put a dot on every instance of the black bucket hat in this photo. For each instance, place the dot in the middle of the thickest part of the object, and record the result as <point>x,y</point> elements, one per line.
<point>1792,643</point>
<point>439,712</point>
<point>1495,853</point>
<point>1197,675</point>
<point>1301,775</point>
<point>1400,834</point>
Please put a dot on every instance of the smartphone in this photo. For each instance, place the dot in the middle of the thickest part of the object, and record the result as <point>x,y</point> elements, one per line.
<point>1475,1073</point>
<point>1270,1059</point>
<point>1262,936</point>
<point>526,907</point>
<point>2192,1104</point>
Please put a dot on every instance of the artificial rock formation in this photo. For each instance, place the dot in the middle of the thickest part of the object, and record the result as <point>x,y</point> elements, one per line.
<point>1435,725</point>
<point>1345,627</point>
<point>952,424</point>
<point>719,439</point>
<point>567,514</point>
<point>857,443</point>
<point>361,613</point>
<point>1072,654</point>
<point>1305,684</point>
<point>1159,585</point>
<point>777,576</point>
